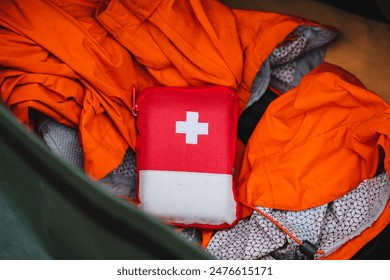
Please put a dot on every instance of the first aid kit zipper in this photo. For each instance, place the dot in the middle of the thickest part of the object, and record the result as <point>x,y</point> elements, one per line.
<point>143,93</point>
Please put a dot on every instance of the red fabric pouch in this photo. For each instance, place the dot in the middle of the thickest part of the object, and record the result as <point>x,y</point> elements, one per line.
<point>185,155</point>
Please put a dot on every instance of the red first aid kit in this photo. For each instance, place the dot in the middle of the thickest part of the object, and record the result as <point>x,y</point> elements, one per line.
<point>185,153</point>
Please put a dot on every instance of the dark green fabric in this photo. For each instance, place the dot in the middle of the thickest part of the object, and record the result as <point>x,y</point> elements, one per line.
<point>51,210</point>
<point>17,238</point>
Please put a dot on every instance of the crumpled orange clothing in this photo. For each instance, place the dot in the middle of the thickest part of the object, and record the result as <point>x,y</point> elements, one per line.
<point>316,143</point>
<point>57,58</point>
<point>61,62</point>
<point>77,62</point>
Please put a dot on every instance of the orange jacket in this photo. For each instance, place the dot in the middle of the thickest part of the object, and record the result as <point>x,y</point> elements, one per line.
<point>59,60</point>
<point>77,64</point>
<point>316,143</point>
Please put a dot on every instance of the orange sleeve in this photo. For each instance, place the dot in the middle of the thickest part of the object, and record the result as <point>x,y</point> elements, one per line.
<point>180,42</point>
<point>64,64</point>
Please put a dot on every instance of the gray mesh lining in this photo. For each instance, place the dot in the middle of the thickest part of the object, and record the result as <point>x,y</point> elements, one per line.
<point>62,140</point>
<point>301,51</point>
<point>122,181</point>
<point>328,226</point>
<point>65,142</point>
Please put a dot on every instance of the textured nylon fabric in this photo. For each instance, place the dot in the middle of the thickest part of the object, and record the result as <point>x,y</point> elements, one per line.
<point>293,157</point>
<point>162,148</point>
<point>64,141</point>
<point>327,226</point>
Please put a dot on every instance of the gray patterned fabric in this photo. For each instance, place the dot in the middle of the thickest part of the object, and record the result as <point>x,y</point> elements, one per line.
<point>298,54</point>
<point>65,142</point>
<point>328,226</point>
<point>62,140</point>
<point>122,181</point>
<point>191,234</point>
<point>283,60</point>
<point>285,63</point>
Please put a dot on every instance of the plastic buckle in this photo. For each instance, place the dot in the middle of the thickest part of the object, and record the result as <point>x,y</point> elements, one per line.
<point>308,249</point>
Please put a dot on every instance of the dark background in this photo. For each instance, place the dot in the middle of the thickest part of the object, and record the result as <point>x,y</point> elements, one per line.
<point>376,10</point>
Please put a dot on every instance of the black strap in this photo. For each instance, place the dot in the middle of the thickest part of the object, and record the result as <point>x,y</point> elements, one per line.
<point>251,115</point>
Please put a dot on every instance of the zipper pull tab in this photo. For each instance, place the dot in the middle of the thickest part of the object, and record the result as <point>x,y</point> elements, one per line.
<point>134,109</point>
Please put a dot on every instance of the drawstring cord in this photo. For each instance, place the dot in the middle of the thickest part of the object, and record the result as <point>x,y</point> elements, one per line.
<point>306,247</point>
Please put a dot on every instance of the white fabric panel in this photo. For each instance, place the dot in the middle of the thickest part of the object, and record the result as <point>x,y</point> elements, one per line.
<point>188,197</point>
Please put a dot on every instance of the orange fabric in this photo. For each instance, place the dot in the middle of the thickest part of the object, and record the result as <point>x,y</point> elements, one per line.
<point>197,42</point>
<point>64,64</point>
<point>361,47</point>
<point>57,59</point>
<point>315,143</point>
<point>206,237</point>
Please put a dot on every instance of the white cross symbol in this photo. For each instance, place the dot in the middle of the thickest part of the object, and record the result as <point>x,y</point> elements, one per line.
<point>192,128</point>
